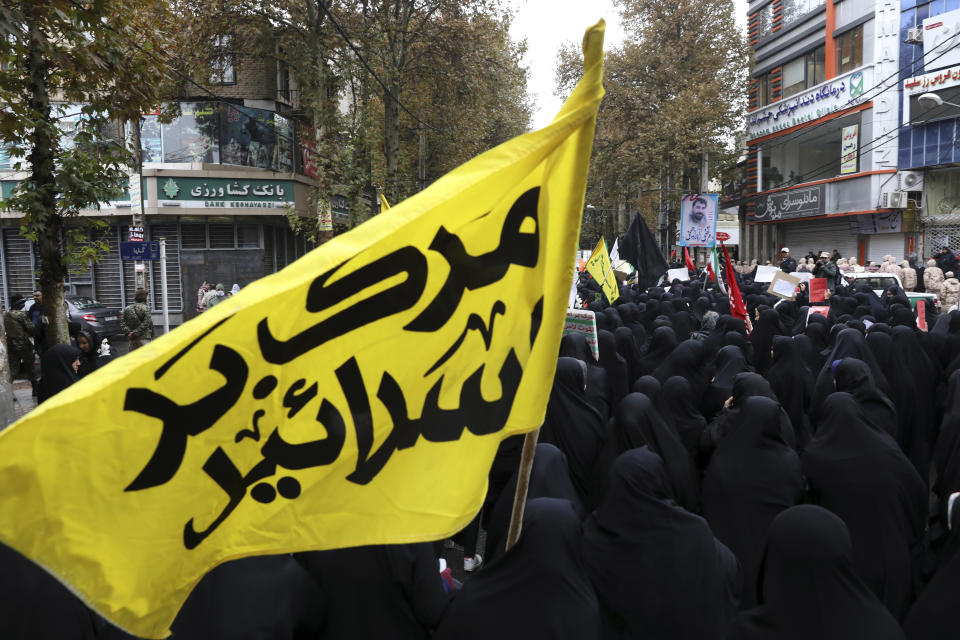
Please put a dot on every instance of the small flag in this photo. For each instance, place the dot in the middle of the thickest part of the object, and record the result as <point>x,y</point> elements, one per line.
<point>713,268</point>
<point>737,308</point>
<point>615,253</point>
<point>688,261</point>
<point>601,269</point>
<point>384,205</point>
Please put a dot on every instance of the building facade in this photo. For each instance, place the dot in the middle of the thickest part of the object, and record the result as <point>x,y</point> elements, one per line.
<point>822,130</point>
<point>929,149</point>
<point>218,183</point>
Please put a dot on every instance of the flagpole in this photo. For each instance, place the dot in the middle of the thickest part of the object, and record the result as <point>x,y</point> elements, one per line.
<point>523,484</point>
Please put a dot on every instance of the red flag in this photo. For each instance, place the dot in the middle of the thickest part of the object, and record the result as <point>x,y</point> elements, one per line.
<point>686,258</point>
<point>737,308</point>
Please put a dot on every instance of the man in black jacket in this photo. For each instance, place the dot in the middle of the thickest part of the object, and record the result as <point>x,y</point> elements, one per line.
<point>787,264</point>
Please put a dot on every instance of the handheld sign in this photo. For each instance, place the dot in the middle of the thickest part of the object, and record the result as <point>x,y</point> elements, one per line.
<point>818,289</point>
<point>678,274</point>
<point>922,315</point>
<point>784,286</point>
<point>765,273</point>
<point>824,311</point>
<point>583,321</point>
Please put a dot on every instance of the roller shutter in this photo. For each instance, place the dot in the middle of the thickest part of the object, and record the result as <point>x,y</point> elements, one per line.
<point>820,235</point>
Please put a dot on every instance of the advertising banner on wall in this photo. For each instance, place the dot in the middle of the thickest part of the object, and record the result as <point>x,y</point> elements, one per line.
<point>698,220</point>
<point>836,94</point>
<point>849,149</point>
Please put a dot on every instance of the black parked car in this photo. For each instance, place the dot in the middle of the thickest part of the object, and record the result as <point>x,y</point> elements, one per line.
<point>94,316</point>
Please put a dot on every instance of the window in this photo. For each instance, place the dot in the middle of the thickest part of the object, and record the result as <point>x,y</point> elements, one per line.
<point>764,90</point>
<point>283,80</point>
<point>804,72</point>
<point>764,21</point>
<point>814,155</point>
<point>219,235</point>
<point>850,50</point>
<point>222,71</point>
<point>793,10</point>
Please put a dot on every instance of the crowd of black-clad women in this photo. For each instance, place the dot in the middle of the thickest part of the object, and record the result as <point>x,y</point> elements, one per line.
<point>696,481</point>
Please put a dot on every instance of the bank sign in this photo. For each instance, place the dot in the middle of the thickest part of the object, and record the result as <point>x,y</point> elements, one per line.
<point>834,95</point>
<point>223,193</point>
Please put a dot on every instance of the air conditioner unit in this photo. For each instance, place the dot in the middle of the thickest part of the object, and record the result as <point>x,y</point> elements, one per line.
<point>914,36</point>
<point>911,181</point>
<point>893,200</point>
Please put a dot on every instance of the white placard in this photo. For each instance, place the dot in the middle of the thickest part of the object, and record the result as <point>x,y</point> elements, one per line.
<point>765,273</point>
<point>802,276</point>
<point>784,285</point>
<point>678,274</point>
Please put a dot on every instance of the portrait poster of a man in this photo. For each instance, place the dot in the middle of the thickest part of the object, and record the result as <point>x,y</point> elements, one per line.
<point>698,220</point>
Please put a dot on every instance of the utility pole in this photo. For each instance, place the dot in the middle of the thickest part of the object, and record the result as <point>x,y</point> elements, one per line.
<point>705,184</point>
<point>136,200</point>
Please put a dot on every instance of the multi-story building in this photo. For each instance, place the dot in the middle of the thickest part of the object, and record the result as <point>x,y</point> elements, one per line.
<point>930,119</point>
<point>218,183</point>
<point>822,130</point>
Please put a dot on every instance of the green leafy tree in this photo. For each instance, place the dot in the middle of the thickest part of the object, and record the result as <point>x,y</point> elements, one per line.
<point>675,88</point>
<point>99,58</point>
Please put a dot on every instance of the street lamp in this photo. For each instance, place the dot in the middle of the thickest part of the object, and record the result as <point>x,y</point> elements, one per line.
<point>931,100</point>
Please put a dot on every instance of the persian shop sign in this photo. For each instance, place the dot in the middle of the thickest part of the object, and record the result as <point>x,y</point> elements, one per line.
<point>933,81</point>
<point>795,203</point>
<point>837,94</point>
<point>221,193</point>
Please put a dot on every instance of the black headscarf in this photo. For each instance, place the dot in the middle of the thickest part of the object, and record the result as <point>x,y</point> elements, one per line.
<point>864,478</point>
<point>662,343</point>
<point>729,363</point>
<point>853,376</point>
<point>745,385</point>
<point>946,455</point>
<point>808,587</point>
<point>637,423</point>
<point>598,392</point>
<point>811,357</point>
<point>614,365</point>
<point>849,344</point>
<point>650,387</point>
<point>56,370</point>
<point>681,414</point>
<point>767,326</point>
<point>382,591</point>
<point>573,425</point>
<point>35,605</point>
<point>538,589</point>
<point>791,381</point>
<point>657,568</point>
<point>751,478</point>
<point>934,613</point>
<point>628,349</point>
<point>549,478</point>
<point>915,390</point>
<point>687,361</point>
<point>89,360</point>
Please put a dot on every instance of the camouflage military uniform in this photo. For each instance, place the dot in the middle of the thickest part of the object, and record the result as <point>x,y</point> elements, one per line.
<point>19,348</point>
<point>137,321</point>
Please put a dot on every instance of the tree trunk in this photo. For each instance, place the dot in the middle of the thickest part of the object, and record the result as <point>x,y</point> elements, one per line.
<point>42,218</point>
<point>391,141</point>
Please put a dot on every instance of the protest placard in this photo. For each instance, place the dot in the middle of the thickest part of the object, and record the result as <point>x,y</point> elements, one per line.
<point>784,286</point>
<point>765,273</point>
<point>585,322</point>
<point>818,289</point>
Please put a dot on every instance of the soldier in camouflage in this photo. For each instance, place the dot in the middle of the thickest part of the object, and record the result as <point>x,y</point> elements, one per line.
<point>137,322</point>
<point>19,348</point>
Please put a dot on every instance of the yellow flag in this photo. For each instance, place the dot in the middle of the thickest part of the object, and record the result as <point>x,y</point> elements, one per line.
<point>357,397</point>
<point>600,268</point>
<point>384,205</point>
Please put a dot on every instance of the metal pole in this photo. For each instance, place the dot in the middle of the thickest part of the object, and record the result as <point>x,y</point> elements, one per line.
<point>163,285</point>
<point>523,483</point>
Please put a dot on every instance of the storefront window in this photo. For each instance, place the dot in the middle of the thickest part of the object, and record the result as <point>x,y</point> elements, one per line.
<point>813,156</point>
<point>764,90</point>
<point>850,50</point>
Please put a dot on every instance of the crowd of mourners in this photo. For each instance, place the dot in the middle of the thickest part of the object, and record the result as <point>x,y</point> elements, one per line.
<point>697,480</point>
